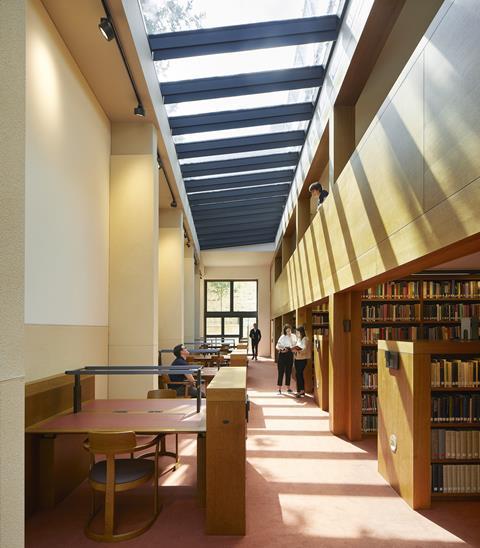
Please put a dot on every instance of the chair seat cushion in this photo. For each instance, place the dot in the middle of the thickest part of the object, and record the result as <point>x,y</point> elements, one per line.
<point>126,470</point>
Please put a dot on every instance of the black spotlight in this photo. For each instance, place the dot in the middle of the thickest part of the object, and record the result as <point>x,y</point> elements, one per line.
<point>106,29</point>
<point>174,203</point>
<point>139,110</point>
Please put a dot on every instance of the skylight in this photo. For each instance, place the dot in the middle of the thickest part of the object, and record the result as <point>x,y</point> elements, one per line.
<point>239,82</point>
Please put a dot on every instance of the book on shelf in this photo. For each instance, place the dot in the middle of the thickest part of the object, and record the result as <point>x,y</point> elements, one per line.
<point>393,290</point>
<point>456,479</point>
<point>455,373</point>
<point>455,407</point>
<point>453,289</point>
<point>369,357</point>
<point>369,403</point>
<point>371,335</point>
<point>369,423</point>
<point>455,444</point>
<point>450,311</point>
<point>390,312</point>
<point>369,380</point>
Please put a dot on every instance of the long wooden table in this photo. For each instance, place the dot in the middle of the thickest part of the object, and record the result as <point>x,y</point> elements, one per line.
<point>149,416</point>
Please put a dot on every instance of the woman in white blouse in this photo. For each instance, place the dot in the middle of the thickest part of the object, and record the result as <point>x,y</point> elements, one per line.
<point>285,357</point>
<point>303,352</point>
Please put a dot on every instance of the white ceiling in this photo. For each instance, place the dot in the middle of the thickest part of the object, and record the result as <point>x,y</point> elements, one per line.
<point>249,255</point>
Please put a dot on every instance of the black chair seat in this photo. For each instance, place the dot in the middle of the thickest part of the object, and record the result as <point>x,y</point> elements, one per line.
<point>126,470</point>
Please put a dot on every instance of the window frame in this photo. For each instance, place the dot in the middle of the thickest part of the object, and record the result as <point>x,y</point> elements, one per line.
<point>231,313</point>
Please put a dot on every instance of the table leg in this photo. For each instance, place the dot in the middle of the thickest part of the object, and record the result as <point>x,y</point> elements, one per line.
<point>77,395</point>
<point>201,469</point>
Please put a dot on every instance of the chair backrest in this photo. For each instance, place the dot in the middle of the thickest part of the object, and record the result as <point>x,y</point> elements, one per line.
<point>111,443</point>
<point>165,393</point>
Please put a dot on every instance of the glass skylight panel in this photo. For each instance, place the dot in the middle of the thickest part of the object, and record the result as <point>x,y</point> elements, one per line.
<point>236,155</point>
<point>266,186</point>
<point>256,100</point>
<point>240,132</point>
<point>218,175</point>
<point>167,16</point>
<point>241,62</point>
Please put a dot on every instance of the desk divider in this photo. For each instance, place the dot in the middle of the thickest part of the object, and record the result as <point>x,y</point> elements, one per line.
<point>226,452</point>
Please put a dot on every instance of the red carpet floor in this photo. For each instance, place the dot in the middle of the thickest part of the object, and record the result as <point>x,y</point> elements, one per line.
<point>305,487</point>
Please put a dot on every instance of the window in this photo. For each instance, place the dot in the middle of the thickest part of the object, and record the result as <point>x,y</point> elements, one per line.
<point>244,296</point>
<point>218,296</point>
<point>230,308</point>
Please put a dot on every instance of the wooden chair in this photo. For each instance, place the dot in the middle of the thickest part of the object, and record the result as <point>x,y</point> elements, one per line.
<point>164,382</point>
<point>166,393</point>
<point>113,475</point>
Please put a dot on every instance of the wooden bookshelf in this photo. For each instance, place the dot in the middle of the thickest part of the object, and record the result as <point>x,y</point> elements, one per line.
<point>405,411</point>
<point>417,293</point>
<point>320,319</point>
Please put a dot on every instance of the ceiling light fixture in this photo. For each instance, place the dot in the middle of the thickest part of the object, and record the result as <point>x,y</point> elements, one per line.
<point>139,110</point>
<point>106,29</point>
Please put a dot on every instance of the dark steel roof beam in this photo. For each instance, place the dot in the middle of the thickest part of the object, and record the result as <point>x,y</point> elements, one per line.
<point>242,84</point>
<point>268,34</point>
<point>268,161</point>
<point>238,181</point>
<point>240,144</point>
<point>232,119</point>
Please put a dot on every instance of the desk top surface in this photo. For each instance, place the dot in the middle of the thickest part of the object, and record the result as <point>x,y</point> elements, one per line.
<point>141,416</point>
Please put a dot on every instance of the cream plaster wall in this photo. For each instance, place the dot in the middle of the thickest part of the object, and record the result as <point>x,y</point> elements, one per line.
<point>260,273</point>
<point>66,209</point>
<point>12,238</point>
<point>67,176</point>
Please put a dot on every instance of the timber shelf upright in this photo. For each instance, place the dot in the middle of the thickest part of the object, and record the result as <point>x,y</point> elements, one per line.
<point>429,419</point>
<point>320,354</point>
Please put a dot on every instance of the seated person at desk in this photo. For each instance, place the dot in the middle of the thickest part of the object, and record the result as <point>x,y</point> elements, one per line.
<point>180,362</point>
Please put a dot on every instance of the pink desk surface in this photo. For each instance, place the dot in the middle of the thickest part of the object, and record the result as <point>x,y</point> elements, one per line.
<point>141,416</point>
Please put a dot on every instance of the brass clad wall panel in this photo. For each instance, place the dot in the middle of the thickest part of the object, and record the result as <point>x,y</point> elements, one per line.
<point>452,109</point>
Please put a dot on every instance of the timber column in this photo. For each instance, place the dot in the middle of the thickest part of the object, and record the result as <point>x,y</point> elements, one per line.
<point>344,364</point>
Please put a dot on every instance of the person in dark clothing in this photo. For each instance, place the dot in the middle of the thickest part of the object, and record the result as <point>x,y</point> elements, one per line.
<point>318,192</point>
<point>180,362</point>
<point>255,337</point>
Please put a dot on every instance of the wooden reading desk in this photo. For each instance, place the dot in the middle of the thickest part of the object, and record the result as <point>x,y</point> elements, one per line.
<point>154,416</point>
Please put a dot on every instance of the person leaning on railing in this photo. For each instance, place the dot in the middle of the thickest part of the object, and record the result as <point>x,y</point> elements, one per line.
<point>317,191</point>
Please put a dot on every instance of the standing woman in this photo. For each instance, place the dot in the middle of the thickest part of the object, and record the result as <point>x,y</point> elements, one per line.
<point>302,353</point>
<point>285,357</point>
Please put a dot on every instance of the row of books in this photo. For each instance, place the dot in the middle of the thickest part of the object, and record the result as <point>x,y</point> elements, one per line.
<point>441,333</point>
<point>369,402</point>
<point>370,335</point>
<point>451,311</point>
<point>369,380</point>
<point>393,290</point>
<point>452,373</point>
<point>456,478</point>
<point>390,312</point>
<point>369,357</point>
<point>441,289</point>
<point>455,444</point>
<point>369,423</point>
<point>456,408</point>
